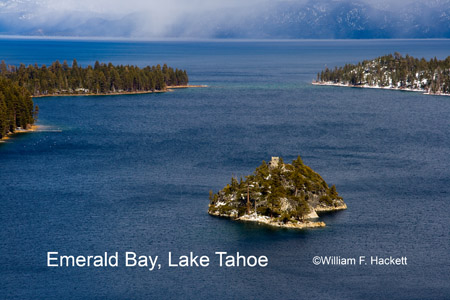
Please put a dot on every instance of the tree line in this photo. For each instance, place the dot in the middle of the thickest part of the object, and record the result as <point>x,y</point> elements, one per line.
<point>395,71</point>
<point>102,78</point>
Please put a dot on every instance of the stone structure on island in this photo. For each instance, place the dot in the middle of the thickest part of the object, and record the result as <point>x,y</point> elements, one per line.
<point>277,194</point>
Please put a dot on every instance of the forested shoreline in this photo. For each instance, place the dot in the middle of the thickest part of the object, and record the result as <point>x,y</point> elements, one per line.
<point>18,84</point>
<point>395,72</point>
<point>16,107</point>
<point>101,78</point>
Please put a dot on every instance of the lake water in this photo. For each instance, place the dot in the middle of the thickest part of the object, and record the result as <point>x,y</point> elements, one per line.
<point>132,173</point>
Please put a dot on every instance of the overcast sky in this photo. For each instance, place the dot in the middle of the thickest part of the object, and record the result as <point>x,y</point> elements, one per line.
<point>141,18</point>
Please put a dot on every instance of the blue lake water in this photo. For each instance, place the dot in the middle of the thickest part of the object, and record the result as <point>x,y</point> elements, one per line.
<point>132,173</point>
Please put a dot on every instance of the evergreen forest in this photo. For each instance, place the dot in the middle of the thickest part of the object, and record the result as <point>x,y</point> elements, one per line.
<point>394,71</point>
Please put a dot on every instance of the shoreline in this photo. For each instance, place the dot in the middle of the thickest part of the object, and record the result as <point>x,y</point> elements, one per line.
<point>271,222</point>
<point>167,89</point>
<point>320,209</point>
<point>329,83</point>
<point>266,220</point>
<point>9,135</point>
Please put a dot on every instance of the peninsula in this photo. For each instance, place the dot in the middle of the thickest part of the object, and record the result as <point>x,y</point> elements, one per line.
<point>277,194</point>
<point>19,84</point>
<point>393,72</point>
<point>62,79</point>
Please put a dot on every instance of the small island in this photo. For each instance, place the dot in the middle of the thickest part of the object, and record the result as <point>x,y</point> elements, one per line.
<point>393,72</point>
<point>277,194</point>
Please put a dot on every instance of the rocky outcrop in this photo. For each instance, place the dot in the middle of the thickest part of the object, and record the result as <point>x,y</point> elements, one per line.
<point>320,208</point>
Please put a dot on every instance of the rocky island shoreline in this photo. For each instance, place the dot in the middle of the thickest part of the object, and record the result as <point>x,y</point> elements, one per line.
<point>277,194</point>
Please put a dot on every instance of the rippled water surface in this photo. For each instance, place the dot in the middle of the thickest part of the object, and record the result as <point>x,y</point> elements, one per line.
<point>132,173</point>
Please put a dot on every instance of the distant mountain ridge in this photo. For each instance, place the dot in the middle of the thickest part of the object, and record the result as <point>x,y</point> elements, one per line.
<point>350,20</point>
<point>310,19</point>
